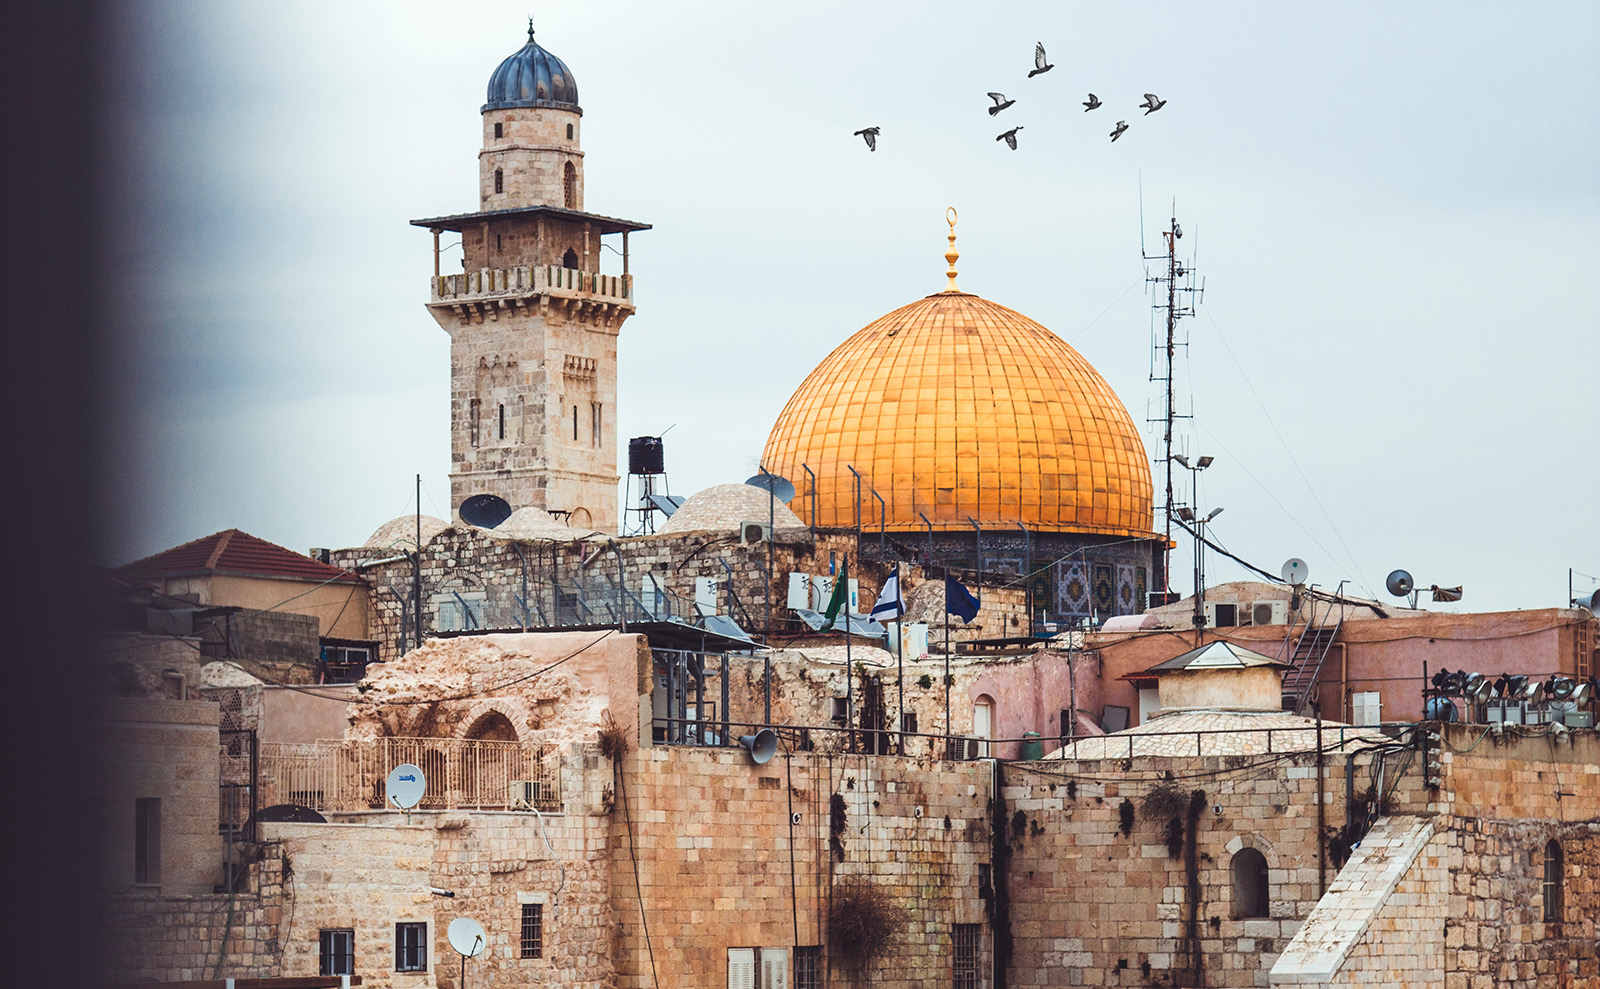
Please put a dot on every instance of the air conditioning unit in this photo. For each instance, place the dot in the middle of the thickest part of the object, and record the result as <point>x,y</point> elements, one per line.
<point>1220,615</point>
<point>525,794</point>
<point>1269,613</point>
<point>821,591</point>
<point>751,533</point>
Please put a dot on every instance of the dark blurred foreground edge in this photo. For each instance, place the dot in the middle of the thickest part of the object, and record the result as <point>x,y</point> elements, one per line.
<point>47,124</point>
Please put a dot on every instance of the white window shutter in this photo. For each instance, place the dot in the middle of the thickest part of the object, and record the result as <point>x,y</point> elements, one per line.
<point>741,968</point>
<point>1366,706</point>
<point>774,968</point>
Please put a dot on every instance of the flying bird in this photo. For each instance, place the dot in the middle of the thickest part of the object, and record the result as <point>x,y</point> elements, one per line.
<point>1010,137</point>
<point>1000,103</point>
<point>1152,103</point>
<point>870,135</point>
<point>1039,63</point>
<point>1093,103</point>
<point>1122,125</point>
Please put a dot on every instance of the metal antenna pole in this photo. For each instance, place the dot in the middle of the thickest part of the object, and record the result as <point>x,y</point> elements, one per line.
<point>858,502</point>
<point>1169,413</point>
<point>416,570</point>
<point>929,524</point>
<point>812,474</point>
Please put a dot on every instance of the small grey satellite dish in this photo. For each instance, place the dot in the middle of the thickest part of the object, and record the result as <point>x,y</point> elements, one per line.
<point>467,937</point>
<point>405,786</point>
<point>1399,583</point>
<point>780,487</point>
<point>1295,571</point>
<point>485,511</point>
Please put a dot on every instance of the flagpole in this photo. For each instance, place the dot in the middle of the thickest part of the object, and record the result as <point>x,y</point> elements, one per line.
<point>947,661</point>
<point>849,669</point>
<point>900,660</point>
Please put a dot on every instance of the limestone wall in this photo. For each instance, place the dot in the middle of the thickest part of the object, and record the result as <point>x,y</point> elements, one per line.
<point>717,867</point>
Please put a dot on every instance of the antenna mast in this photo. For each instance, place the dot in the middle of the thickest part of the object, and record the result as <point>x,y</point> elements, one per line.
<point>1179,301</point>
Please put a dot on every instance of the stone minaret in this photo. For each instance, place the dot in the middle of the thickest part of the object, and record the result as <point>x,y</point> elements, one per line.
<point>533,324</point>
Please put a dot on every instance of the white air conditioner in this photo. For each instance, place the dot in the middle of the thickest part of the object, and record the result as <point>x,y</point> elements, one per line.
<point>1269,613</point>
<point>799,590</point>
<point>525,794</point>
<point>1222,615</point>
<point>751,533</point>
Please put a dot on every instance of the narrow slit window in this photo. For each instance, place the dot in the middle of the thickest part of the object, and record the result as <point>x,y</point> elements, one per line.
<point>502,420</point>
<point>595,419</point>
<point>147,840</point>
<point>499,244</point>
<point>574,422</point>
<point>499,130</point>
<point>499,180</point>
<point>1554,869</point>
<point>569,132</point>
<point>472,418</point>
<point>569,185</point>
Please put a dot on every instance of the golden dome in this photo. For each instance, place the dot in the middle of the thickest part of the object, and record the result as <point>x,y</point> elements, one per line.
<point>954,406</point>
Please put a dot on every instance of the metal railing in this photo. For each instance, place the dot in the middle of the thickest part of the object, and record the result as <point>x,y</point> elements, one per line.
<point>349,774</point>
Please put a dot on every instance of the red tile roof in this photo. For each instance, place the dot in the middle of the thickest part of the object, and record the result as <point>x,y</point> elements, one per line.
<point>236,552</point>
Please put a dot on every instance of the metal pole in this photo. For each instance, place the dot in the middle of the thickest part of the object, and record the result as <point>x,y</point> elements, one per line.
<point>929,564</point>
<point>978,545</point>
<point>849,669</point>
<point>1322,805</point>
<point>622,589</point>
<point>1027,573</point>
<point>900,659</point>
<point>947,731</point>
<point>858,499</point>
<point>812,474</point>
<point>416,571</point>
<point>772,508</point>
<point>883,511</point>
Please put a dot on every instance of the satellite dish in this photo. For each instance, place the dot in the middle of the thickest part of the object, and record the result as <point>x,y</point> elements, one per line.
<point>467,937</point>
<point>485,511</point>
<point>780,487</point>
<point>1295,571</point>
<point>405,786</point>
<point>1399,583</point>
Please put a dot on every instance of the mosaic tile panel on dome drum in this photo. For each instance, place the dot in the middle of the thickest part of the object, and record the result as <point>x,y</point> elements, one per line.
<point>955,406</point>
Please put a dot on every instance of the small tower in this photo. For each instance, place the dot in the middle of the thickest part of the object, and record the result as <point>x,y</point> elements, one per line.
<point>533,324</point>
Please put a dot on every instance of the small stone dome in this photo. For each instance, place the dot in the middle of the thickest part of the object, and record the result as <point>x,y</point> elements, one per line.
<point>532,77</point>
<point>532,524</point>
<point>722,507</point>
<point>401,533</point>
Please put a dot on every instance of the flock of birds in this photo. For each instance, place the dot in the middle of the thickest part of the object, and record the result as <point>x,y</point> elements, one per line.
<point>1041,63</point>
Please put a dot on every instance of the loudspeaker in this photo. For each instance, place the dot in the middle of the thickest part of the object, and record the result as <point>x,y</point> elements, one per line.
<point>763,745</point>
<point>1590,601</point>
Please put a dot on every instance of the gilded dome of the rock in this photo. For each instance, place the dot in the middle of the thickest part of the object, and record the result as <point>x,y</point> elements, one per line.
<point>954,406</point>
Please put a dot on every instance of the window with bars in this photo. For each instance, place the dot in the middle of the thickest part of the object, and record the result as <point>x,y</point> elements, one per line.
<point>411,947</point>
<point>1553,870</point>
<point>499,180</point>
<point>533,930</point>
<point>808,967</point>
<point>964,941</point>
<point>336,951</point>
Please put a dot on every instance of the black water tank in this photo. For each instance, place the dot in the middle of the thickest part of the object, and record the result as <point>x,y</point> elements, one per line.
<point>645,456</point>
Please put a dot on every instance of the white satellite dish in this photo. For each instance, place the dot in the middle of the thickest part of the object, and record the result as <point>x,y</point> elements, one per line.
<point>405,786</point>
<point>1295,570</point>
<point>467,937</point>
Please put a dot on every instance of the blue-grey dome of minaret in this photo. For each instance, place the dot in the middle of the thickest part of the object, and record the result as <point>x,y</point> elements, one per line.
<point>532,77</point>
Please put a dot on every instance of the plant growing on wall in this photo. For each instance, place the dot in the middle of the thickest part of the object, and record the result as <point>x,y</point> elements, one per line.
<point>924,681</point>
<point>863,918</point>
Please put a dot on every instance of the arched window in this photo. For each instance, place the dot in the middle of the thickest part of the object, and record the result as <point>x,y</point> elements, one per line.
<point>569,259</point>
<point>492,727</point>
<point>983,723</point>
<point>1249,884</point>
<point>569,132</point>
<point>499,181</point>
<point>569,185</point>
<point>1553,874</point>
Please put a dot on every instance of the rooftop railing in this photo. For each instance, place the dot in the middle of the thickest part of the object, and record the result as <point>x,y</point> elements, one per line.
<point>348,774</point>
<point>523,280</point>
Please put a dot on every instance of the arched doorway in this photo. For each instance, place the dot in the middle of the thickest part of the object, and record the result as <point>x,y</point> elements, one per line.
<point>490,760</point>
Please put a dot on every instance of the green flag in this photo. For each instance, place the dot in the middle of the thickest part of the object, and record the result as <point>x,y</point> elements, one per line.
<point>841,587</point>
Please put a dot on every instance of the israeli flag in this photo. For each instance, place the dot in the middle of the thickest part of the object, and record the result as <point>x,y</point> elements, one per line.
<point>889,607</point>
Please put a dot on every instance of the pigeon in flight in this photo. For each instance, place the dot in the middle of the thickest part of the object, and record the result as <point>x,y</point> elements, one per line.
<point>1000,103</point>
<point>1152,103</point>
<point>1122,125</point>
<point>870,135</point>
<point>1039,63</point>
<point>1010,137</point>
<point>1093,103</point>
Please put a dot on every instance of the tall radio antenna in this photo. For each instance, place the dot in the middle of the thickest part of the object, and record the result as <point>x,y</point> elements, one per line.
<point>1177,301</point>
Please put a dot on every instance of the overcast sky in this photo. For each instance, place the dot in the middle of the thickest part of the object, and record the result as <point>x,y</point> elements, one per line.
<point>1394,208</point>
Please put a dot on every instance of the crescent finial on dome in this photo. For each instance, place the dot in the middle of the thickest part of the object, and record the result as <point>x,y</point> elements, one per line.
<point>950,253</point>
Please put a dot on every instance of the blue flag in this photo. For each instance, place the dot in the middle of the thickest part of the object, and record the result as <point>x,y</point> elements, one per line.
<point>959,601</point>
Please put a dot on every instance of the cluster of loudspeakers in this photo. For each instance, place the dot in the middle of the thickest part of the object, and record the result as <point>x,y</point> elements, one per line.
<point>1513,687</point>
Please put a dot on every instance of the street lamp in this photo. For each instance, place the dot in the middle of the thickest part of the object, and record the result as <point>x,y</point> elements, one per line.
<point>1199,564</point>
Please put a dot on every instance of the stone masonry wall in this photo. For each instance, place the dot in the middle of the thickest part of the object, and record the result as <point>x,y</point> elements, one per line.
<point>1102,891</point>
<point>718,869</point>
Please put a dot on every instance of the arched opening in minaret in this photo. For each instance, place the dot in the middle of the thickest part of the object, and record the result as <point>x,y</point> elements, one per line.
<point>569,259</point>
<point>499,180</point>
<point>569,186</point>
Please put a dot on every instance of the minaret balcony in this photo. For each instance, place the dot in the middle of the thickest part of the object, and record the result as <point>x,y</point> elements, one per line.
<point>488,292</point>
